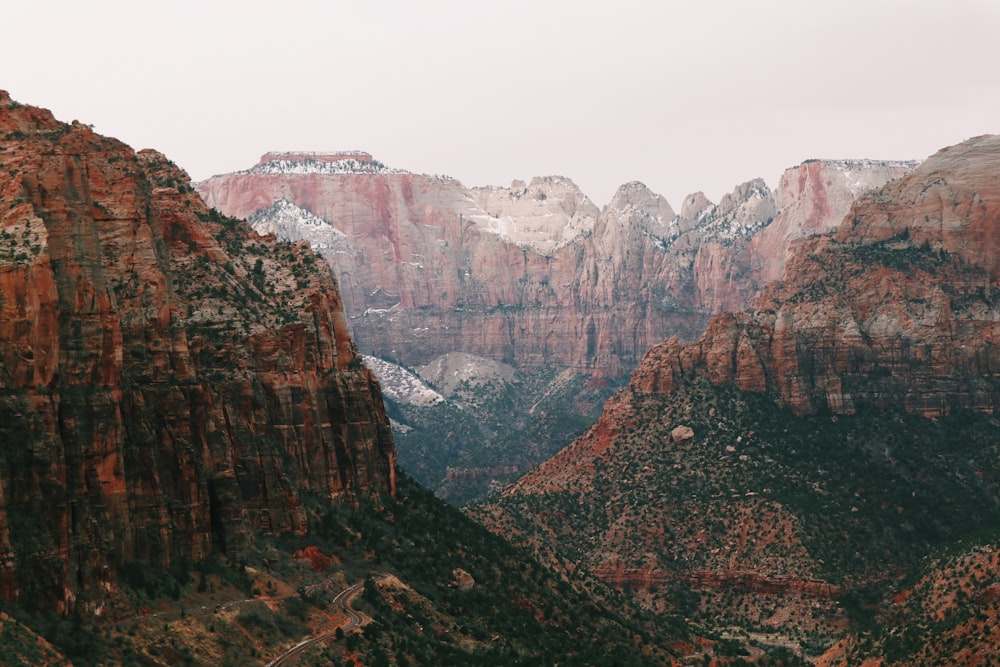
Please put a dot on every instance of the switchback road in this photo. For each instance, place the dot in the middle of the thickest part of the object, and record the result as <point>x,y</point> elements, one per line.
<point>354,620</point>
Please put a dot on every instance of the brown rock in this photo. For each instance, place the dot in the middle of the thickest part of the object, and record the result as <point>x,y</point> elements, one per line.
<point>462,580</point>
<point>318,560</point>
<point>681,433</point>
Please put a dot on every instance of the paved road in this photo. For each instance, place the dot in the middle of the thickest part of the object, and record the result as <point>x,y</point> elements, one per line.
<point>354,620</point>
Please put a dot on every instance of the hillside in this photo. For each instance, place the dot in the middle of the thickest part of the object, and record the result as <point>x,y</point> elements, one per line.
<point>784,475</point>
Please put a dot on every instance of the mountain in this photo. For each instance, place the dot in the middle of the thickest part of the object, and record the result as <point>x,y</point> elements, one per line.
<point>170,382</point>
<point>533,276</point>
<point>785,474</point>
<point>195,463</point>
<point>534,273</point>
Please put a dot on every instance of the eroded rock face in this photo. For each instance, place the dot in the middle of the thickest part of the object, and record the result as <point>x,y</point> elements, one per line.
<point>169,381</point>
<point>889,318</point>
<point>897,309</point>
<point>813,198</point>
<point>530,274</point>
<point>533,273</point>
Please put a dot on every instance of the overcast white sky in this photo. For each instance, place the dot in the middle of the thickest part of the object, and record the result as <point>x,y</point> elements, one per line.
<point>681,95</point>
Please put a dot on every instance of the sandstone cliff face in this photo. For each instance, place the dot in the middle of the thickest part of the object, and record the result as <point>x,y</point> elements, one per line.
<point>813,198</point>
<point>786,453</point>
<point>169,381</point>
<point>533,273</point>
<point>427,267</point>
<point>897,309</point>
<point>544,215</point>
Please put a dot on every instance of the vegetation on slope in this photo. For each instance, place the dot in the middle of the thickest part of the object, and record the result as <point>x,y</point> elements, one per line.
<point>486,435</point>
<point>409,550</point>
<point>763,509</point>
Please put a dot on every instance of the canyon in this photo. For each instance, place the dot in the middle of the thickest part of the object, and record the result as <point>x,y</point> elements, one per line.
<point>815,447</point>
<point>533,276</point>
<point>803,462</point>
<point>195,458</point>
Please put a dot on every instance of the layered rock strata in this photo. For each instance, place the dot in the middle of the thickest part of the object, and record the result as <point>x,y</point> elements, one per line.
<point>896,309</point>
<point>820,442</point>
<point>534,273</point>
<point>170,381</point>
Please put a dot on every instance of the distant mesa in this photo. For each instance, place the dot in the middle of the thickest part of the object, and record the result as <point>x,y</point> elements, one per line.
<point>313,156</point>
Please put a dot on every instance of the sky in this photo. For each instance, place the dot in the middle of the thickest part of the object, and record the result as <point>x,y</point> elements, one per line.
<point>680,95</point>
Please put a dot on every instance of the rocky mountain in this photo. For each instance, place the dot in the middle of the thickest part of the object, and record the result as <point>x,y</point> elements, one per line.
<point>785,474</point>
<point>533,276</point>
<point>171,383</point>
<point>195,464</point>
<point>534,273</point>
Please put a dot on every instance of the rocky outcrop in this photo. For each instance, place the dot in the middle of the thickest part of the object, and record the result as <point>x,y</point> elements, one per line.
<point>897,309</point>
<point>170,381</point>
<point>681,433</point>
<point>544,215</point>
<point>461,580</point>
<point>813,198</point>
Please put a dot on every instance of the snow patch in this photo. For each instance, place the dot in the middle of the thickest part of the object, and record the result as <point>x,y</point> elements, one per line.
<point>307,166</point>
<point>289,222</point>
<point>401,385</point>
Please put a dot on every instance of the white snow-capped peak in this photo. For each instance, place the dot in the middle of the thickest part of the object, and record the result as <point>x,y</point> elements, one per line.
<point>311,166</point>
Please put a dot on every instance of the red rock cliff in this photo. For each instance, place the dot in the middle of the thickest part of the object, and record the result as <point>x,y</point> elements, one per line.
<point>169,381</point>
<point>426,270</point>
<point>896,309</point>
<point>535,273</point>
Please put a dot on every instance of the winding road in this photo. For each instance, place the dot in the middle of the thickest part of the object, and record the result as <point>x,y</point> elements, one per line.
<point>354,620</point>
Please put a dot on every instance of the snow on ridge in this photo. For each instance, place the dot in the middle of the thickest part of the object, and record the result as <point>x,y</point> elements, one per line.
<point>314,163</point>
<point>401,385</point>
<point>853,164</point>
<point>867,163</point>
<point>310,166</point>
<point>289,222</point>
<point>859,175</point>
<point>284,212</point>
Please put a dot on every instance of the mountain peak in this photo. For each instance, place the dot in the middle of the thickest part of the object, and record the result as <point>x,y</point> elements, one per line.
<point>951,202</point>
<point>319,162</point>
<point>694,205</point>
<point>315,156</point>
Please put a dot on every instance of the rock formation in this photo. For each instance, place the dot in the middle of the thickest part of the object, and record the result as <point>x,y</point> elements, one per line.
<point>170,381</point>
<point>894,310</point>
<point>533,276</point>
<point>534,273</point>
<point>818,443</point>
<point>814,198</point>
